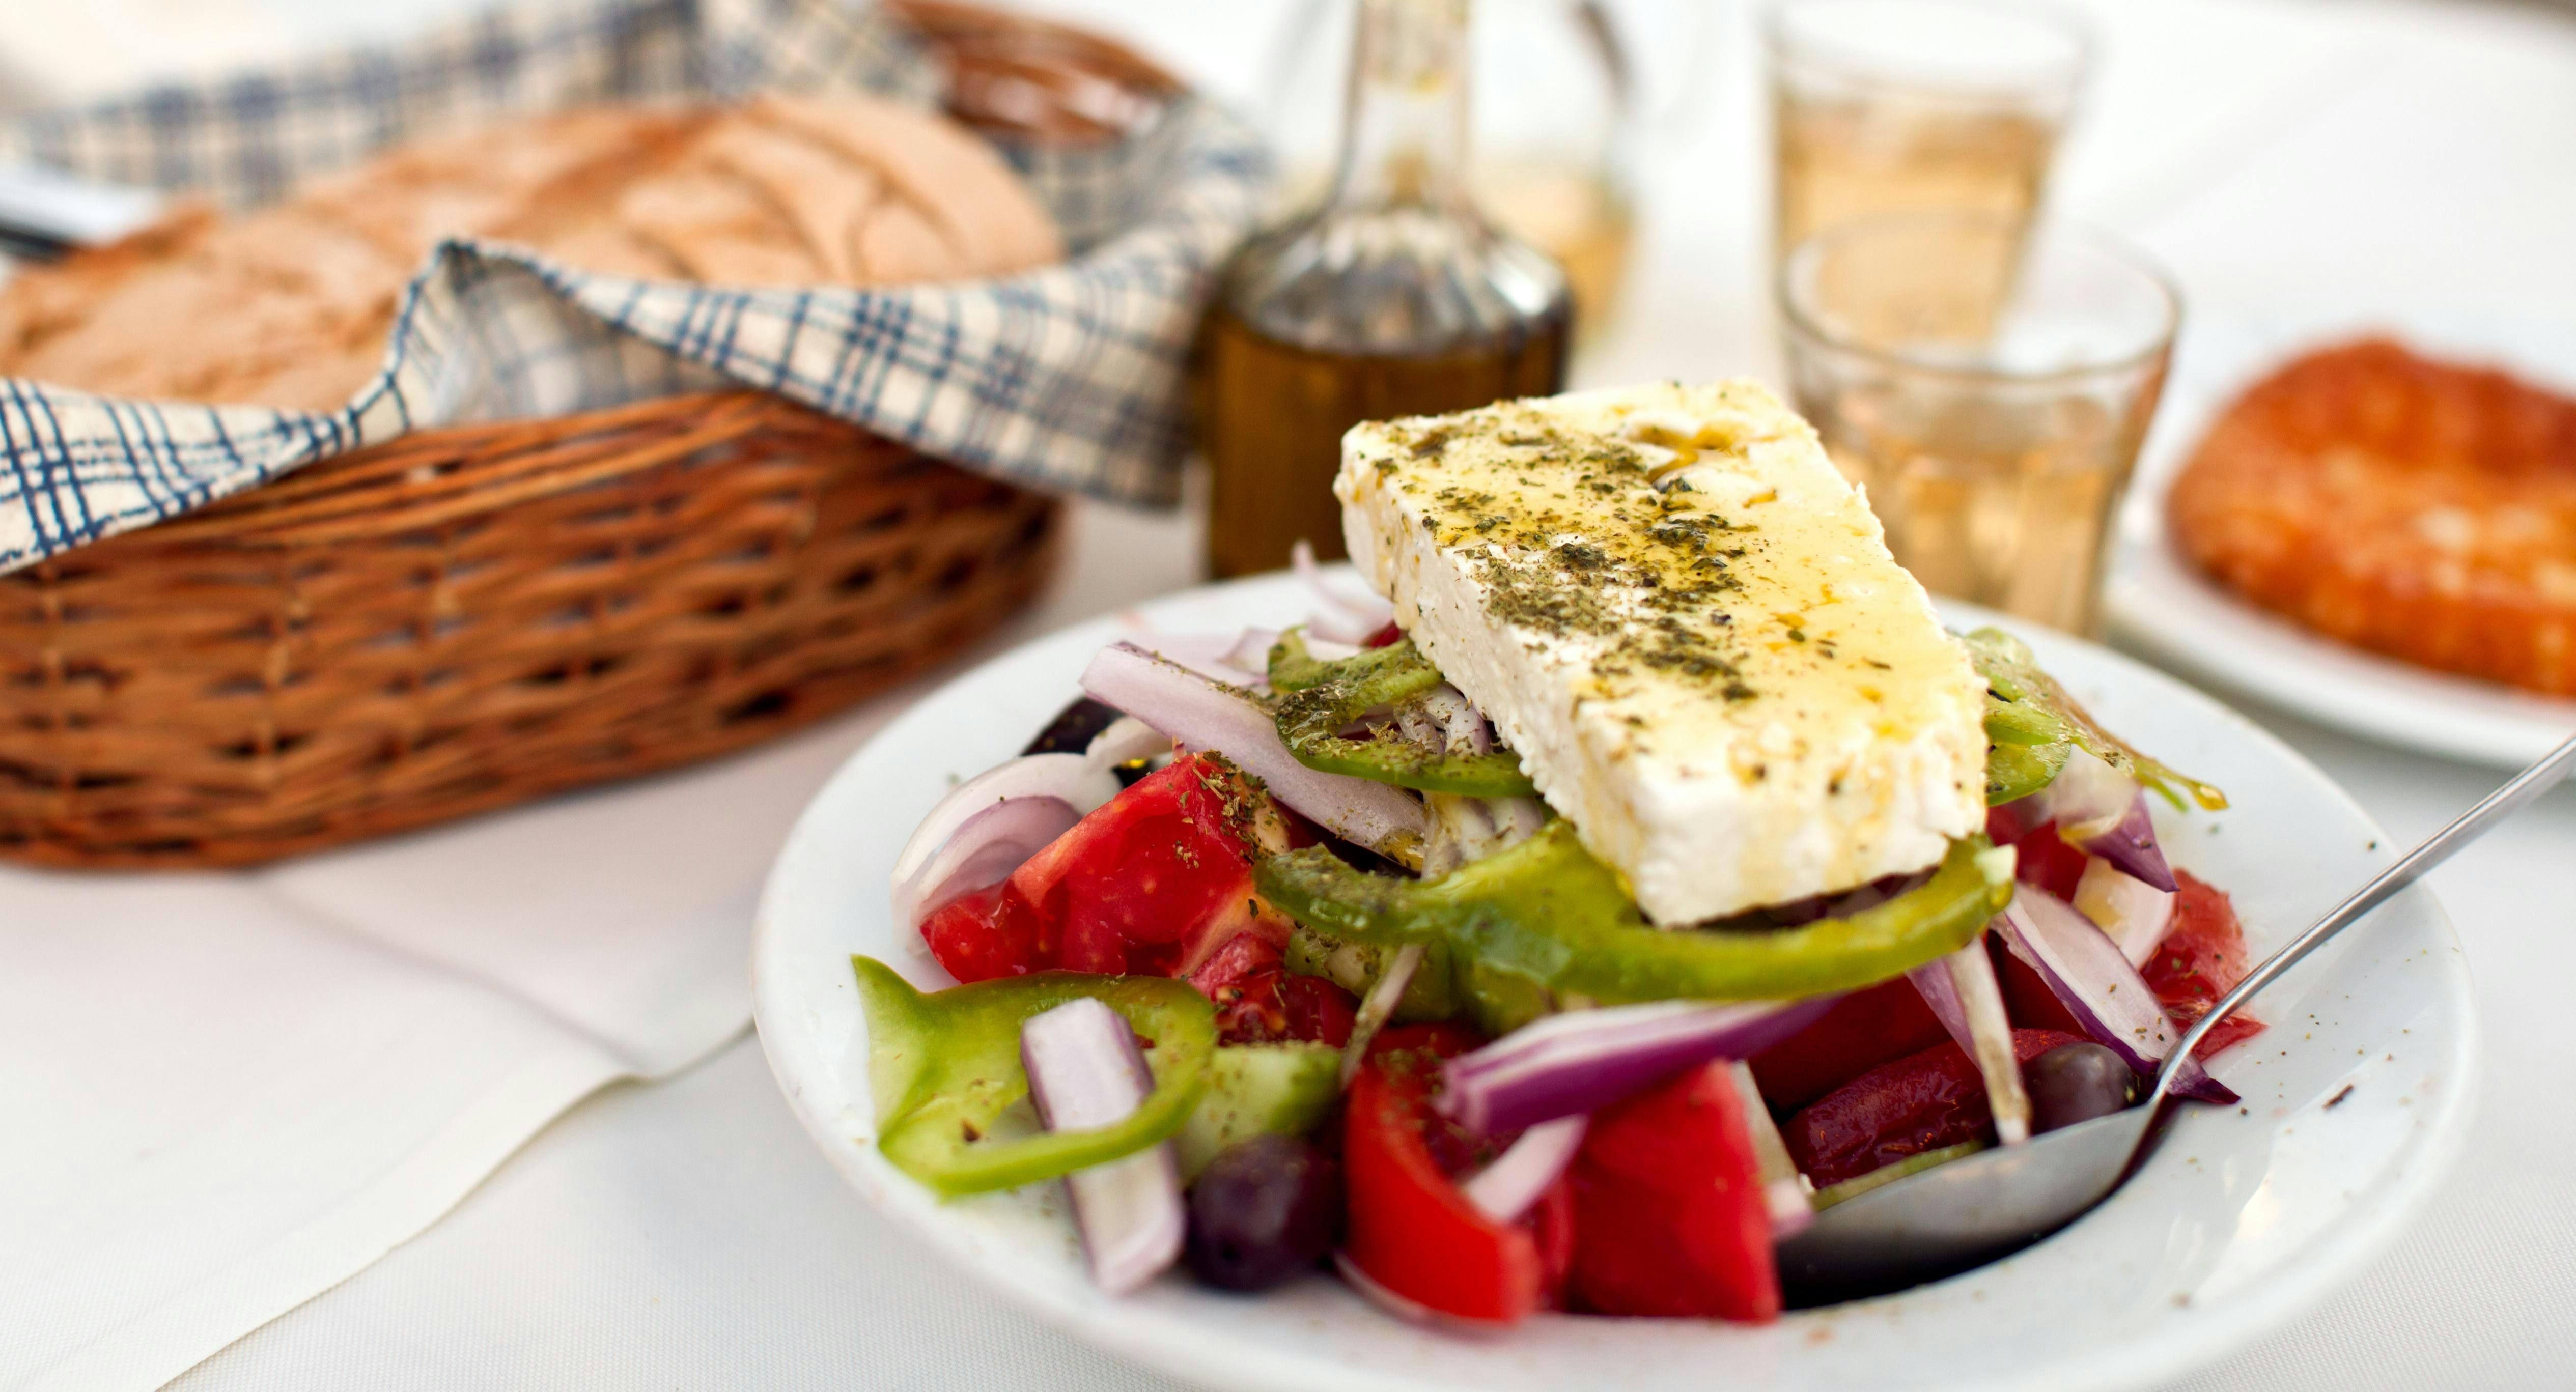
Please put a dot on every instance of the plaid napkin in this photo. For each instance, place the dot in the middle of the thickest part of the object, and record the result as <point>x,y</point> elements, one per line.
<point>1067,379</point>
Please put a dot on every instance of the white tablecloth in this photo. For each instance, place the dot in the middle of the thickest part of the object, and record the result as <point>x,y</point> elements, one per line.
<point>2287,159</point>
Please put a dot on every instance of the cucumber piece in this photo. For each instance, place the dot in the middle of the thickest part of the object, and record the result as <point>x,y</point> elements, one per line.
<point>1254,1089</point>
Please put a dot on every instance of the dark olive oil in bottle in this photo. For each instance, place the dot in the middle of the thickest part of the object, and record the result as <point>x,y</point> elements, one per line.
<point>1284,409</point>
<point>1393,297</point>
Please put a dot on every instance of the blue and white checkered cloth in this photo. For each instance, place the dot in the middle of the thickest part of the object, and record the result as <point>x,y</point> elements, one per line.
<point>1067,378</point>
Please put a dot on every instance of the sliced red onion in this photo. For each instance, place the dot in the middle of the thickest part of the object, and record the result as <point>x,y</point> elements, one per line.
<point>1085,1072</point>
<point>1212,655</point>
<point>1516,819</point>
<point>2134,913</point>
<point>1073,780</point>
<point>1964,995</point>
<point>1932,982</point>
<point>1200,714</point>
<point>1784,1190</point>
<point>1334,626</point>
<point>1251,652</point>
<point>1417,726</point>
<point>945,859</point>
<point>1458,719</point>
<point>1791,1206</point>
<point>1505,1189</point>
<point>2086,797</point>
<point>2099,810</point>
<point>1344,618</point>
<point>1443,721</point>
<point>2091,976</point>
<point>1379,1006</point>
<point>2130,845</point>
<point>986,849</point>
<point>1583,1060</point>
<point>1124,741</point>
<point>1459,833</point>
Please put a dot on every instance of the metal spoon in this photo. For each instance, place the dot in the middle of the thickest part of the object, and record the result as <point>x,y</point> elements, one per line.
<point>1973,1210</point>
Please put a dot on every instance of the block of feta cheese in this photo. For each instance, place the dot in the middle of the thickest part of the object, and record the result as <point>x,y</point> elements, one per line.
<point>1689,627</point>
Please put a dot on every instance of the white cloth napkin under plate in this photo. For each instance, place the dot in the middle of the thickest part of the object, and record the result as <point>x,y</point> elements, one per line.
<point>222,1093</point>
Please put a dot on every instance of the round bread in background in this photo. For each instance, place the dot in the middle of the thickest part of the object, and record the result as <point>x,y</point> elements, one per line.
<point>290,305</point>
<point>786,191</point>
<point>2417,508</point>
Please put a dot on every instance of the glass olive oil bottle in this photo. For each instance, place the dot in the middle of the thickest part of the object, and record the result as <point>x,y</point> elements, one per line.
<point>1391,297</point>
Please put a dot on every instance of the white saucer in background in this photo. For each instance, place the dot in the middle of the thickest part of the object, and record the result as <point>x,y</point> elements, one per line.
<point>2157,605</point>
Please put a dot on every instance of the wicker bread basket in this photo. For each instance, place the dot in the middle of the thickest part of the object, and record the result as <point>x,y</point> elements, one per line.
<point>472,616</point>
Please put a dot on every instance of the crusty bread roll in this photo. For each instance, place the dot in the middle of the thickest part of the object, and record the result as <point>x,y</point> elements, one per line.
<point>290,305</point>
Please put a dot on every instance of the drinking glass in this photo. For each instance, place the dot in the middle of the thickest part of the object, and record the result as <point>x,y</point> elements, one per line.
<point>1993,416</point>
<point>1885,106</point>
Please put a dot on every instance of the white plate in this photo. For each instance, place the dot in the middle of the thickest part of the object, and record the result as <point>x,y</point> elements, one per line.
<point>2156,603</point>
<point>2239,1221</point>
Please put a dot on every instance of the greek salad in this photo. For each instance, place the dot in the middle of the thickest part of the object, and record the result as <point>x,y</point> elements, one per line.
<point>1270,953</point>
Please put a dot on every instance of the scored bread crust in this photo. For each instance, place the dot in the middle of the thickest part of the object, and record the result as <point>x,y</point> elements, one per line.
<point>2416,508</point>
<point>290,305</point>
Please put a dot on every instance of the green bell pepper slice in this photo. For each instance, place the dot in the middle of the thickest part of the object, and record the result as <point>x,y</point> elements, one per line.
<point>1545,913</point>
<point>1312,717</point>
<point>944,1067</point>
<point>2015,771</point>
<point>1292,667</point>
<point>2033,725</point>
<point>1356,967</point>
<point>1441,989</point>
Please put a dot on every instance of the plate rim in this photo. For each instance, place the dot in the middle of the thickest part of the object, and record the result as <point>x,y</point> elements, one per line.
<point>1188,1354</point>
<point>2151,598</point>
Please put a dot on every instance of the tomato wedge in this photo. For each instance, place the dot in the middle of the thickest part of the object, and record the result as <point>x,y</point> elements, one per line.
<point>1259,1001</point>
<point>1869,1027</point>
<point>1154,882</point>
<point>1668,1211</point>
<point>1919,1103</point>
<point>2028,1002</point>
<point>2043,859</point>
<point>2201,958</point>
<point>1412,1230</point>
<point>984,934</point>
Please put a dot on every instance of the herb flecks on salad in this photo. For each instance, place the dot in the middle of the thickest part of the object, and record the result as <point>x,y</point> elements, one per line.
<point>1545,1110</point>
<point>1819,894</point>
<point>1325,725</point>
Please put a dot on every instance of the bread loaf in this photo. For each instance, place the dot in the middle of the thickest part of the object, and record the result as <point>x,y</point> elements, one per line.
<point>290,305</point>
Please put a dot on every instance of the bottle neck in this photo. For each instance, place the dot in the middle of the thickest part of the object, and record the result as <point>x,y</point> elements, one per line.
<point>1404,127</point>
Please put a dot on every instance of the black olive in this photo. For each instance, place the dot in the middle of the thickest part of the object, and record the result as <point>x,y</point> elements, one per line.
<point>2076,1082</point>
<point>1073,728</point>
<point>1262,1211</point>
